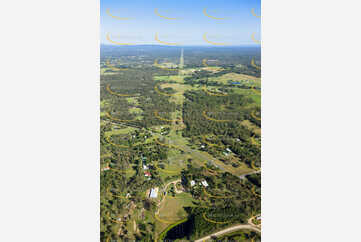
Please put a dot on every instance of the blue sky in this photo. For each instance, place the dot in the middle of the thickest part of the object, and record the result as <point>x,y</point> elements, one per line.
<point>230,22</point>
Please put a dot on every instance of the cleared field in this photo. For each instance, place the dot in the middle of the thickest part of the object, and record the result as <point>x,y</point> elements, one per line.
<point>133,100</point>
<point>234,77</point>
<point>179,88</point>
<point>251,126</point>
<point>213,69</point>
<point>242,169</point>
<point>255,95</point>
<point>168,64</point>
<point>172,209</point>
<point>120,131</point>
<point>135,110</point>
<point>103,103</point>
<point>171,169</point>
<point>178,79</point>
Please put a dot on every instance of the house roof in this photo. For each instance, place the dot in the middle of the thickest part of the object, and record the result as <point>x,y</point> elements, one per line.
<point>153,193</point>
<point>205,183</point>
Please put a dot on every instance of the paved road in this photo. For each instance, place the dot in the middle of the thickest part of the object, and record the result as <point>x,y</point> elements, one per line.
<point>250,173</point>
<point>251,223</point>
<point>230,229</point>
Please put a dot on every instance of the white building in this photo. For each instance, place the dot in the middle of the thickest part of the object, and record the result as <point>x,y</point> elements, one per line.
<point>193,183</point>
<point>145,167</point>
<point>153,192</point>
<point>204,183</point>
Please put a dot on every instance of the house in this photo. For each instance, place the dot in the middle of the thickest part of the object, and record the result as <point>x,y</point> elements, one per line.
<point>145,167</point>
<point>153,193</point>
<point>203,146</point>
<point>105,168</point>
<point>193,183</point>
<point>228,150</point>
<point>147,174</point>
<point>204,183</point>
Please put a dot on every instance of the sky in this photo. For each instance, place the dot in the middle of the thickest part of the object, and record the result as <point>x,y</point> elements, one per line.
<point>180,22</point>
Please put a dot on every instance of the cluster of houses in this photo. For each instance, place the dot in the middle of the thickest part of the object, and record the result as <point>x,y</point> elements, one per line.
<point>227,152</point>
<point>147,173</point>
<point>153,191</point>
<point>204,183</point>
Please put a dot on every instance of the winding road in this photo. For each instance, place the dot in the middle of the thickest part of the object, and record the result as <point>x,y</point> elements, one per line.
<point>165,190</point>
<point>230,229</point>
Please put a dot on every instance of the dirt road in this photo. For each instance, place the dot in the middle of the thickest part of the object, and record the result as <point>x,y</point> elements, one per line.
<point>164,190</point>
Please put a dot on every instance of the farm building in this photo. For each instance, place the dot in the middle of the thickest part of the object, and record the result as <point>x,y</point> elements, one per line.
<point>204,183</point>
<point>147,174</point>
<point>153,193</point>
